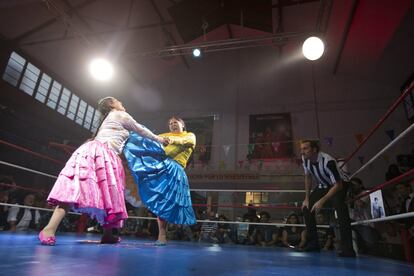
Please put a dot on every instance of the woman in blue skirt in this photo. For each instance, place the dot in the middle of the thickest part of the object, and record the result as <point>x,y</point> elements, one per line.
<point>159,173</point>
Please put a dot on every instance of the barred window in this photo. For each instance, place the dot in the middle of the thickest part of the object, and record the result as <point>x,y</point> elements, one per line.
<point>73,107</point>
<point>29,80</point>
<point>43,88</point>
<point>54,95</point>
<point>88,117</point>
<point>64,101</point>
<point>81,112</point>
<point>14,69</point>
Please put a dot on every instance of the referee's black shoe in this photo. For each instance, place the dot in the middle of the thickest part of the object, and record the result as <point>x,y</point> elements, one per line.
<point>310,248</point>
<point>347,253</point>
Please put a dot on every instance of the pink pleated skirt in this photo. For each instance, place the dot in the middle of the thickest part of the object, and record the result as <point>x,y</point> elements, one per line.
<point>93,182</point>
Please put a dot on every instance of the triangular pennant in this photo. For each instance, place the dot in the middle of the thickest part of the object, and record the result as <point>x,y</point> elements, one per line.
<point>226,149</point>
<point>275,146</point>
<point>250,148</point>
<point>390,133</point>
<point>329,141</point>
<point>260,164</point>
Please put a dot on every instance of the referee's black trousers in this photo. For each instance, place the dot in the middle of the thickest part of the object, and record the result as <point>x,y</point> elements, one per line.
<point>338,202</point>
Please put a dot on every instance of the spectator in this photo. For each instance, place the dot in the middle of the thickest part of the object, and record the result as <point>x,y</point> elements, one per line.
<point>325,235</point>
<point>266,235</point>
<point>393,172</point>
<point>209,230</point>
<point>293,236</point>
<point>224,231</point>
<point>4,210</point>
<point>21,219</point>
<point>365,235</point>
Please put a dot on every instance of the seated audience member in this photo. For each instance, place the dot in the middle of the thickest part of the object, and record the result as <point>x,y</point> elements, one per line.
<point>224,231</point>
<point>393,172</point>
<point>325,235</point>
<point>21,219</point>
<point>266,235</point>
<point>4,210</point>
<point>407,205</point>
<point>365,235</point>
<point>293,236</point>
<point>208,231</point>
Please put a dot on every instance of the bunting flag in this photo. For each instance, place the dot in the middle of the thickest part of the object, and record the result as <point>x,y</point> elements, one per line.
<point>250,148</point>
<point>275,146</point>
<point>359,138</point>
<point>226,149</point>
<point>260,164</point>
<point>241,163</point>
<point>222,165</point>
<point>361,159</point>
<point>329,141</point>
<point>390,133</point>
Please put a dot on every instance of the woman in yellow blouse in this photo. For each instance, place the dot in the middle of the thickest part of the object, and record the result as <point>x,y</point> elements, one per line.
<point>159,173</point>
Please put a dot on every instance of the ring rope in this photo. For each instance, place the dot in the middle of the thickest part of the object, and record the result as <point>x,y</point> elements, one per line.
<point>402,134</point>
<point>380,122</point>
<point>32,152</point>
<point>27,169</point>
<point>387,183</point>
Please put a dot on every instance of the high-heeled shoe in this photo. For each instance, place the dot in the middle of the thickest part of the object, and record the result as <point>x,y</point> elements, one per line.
<point>160,243</point>
<point>46,241</point>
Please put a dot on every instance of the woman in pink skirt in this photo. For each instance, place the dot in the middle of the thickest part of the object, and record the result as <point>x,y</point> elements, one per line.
<point>93,179</point>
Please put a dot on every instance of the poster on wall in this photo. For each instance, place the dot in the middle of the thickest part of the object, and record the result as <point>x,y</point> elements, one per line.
<point>377,205</point>
<point>202,127</point>
<point>270,136</point>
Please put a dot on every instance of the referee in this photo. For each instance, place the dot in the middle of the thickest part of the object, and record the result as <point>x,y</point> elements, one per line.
<point>330,185</point>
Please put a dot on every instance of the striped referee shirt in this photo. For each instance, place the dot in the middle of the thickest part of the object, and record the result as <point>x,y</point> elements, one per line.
<point>325,170</point>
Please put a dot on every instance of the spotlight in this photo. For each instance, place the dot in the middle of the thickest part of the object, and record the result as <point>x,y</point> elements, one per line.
<point>313,48</point>
<point>196,52</point>
<point>101,69</point>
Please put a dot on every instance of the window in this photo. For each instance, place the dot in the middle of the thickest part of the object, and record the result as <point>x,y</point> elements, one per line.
<point>73,107</point>
<point>43,88</point>
<point>88,117</point>
<point>54,95</point>
<point>81,112</point>
<point>29,80</point>
<point>95,122</point>
<point>14,69</point>
<point>64,101</point>
<point>257,198</point>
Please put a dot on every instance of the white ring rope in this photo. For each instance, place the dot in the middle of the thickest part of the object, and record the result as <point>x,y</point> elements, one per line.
<point>152,218</point>
<point>393,217</point>
<point>402,134</point>
<point>27,169</point>
<point>248,191</point>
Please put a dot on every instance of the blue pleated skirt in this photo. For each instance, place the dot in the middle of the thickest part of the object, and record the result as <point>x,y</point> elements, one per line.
<point>162,182</point>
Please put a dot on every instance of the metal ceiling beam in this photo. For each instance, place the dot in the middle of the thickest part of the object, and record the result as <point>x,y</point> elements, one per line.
<point>46,24</point>
<point>100,33</point>
<point>167,33</point>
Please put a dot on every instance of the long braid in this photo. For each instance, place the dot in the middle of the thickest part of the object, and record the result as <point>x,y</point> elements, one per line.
<point>104,107</point>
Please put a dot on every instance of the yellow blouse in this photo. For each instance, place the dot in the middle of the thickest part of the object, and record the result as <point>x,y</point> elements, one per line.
<point>181,146</point>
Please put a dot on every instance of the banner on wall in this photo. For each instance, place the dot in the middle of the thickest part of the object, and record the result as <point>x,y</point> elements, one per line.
<point>202,127</point>
<point>271,135</point>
